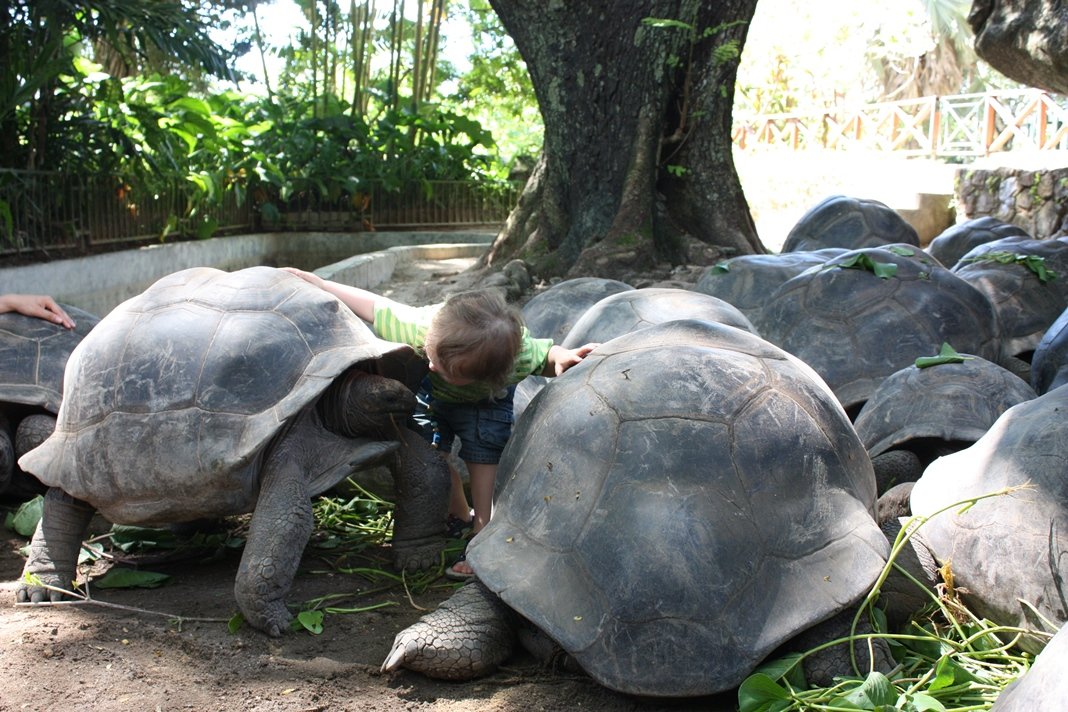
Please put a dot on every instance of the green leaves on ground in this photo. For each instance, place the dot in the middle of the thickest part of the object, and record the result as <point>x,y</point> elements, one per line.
<point>119,577</point>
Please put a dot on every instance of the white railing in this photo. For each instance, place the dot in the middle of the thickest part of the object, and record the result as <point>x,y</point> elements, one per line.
<point>965,125</point>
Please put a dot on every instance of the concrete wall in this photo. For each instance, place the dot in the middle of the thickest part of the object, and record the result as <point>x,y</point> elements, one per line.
<point>98,283</point>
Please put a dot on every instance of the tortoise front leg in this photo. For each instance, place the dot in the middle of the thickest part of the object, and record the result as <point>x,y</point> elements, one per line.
<point>281,525</point>
<point>421,481</point>
<point>54,549</point>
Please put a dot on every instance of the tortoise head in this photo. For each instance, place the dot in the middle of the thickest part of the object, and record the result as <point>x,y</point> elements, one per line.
<point>364,404</point>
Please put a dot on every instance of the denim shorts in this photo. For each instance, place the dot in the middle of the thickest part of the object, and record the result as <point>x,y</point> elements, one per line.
<point>483,427</point>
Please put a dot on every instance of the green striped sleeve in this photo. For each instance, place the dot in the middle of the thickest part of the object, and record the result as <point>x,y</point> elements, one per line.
<point>403,324</point>
<point>532,356</point>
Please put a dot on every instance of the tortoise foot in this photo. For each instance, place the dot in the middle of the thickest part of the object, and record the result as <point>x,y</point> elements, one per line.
<point>418,555</point>
<point>468,636</point>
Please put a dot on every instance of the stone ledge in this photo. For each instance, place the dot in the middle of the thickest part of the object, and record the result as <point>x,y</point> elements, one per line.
<point>99,283</point>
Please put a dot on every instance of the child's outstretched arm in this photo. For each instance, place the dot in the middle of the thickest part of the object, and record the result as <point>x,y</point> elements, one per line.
<point>360,301</point>
<point>37,305</point>
<point>561,359</point>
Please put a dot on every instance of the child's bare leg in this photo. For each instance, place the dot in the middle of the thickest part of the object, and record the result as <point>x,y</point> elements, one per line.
<point>483,479</point>
<point>458,506</point>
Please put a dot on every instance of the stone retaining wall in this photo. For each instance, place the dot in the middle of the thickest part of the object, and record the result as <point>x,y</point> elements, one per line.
<point>1035,200</point>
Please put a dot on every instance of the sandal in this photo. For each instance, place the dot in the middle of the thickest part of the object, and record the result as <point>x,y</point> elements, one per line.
<point>452,573</point>
<point>456,528</point>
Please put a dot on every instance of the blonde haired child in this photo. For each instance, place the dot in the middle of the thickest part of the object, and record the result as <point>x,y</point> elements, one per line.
<point>477,349</point>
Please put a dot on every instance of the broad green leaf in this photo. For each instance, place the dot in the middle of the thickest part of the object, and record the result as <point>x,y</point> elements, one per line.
<point>234,624</point>
<point>901,250</point>
<point>311,621</point>
<point>119,577</point>
<point>24,520</point>
<point>922,702</point>
<point>947,354</point>
<point>949,673</point>
<point>759,693</point>
<point>884,270</point>
<point>787,667</point>
<point>874,693</point>
<point>90,552</point>
<point>863,261</point>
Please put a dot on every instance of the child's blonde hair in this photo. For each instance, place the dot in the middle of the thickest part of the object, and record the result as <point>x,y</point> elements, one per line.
<point>477,335</point>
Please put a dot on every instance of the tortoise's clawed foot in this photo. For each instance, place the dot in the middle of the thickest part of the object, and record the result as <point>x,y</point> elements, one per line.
<point>466,637</point>
<point>418,556</point>
<point>271,617</point>
<point>47,593</point>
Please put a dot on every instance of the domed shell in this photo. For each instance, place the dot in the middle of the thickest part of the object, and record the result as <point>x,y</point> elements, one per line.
<point>868,313</point>
<point>1027,296</point>
<point>552,313</point>
<point>950,402</point>
<point>169,400</point>
<point>850,223</point>
<point>957,240</point>
<point>679,504</point>
<point>33,354</point>
<point>1049,365</point>
<point>624,312</point>
<point>1007,552</point>
<point>746,281</point>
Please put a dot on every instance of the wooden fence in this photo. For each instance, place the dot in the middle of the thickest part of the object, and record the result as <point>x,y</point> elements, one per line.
<point>962,126</point>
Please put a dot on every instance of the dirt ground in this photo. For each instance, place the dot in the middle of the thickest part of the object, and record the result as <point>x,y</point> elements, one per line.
<point>183,657</point>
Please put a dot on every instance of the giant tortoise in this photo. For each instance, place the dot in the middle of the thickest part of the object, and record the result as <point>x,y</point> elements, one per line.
<point>957,240</point>
<point>33,354</point>
<point>630,310</point>
<point>1009,552</point>
<point>552,313</point>
<point>746,281</point>
<point>1024,281</point>
<point>868,313</point>
<point>933,408</point>
<point>214,394</point>
<point>673,509</point>
<point>1049,364</point>
<point>849,223</point>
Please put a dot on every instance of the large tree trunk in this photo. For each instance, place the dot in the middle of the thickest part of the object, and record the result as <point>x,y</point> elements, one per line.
<point>637,156</point>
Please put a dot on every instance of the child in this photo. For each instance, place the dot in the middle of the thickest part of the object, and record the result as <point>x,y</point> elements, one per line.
<point>477,349</point>
<point>40,306</point>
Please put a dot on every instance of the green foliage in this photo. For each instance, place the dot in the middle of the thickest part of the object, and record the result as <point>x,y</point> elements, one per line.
<point>24,520</point>
<point>120,577</point>
<point>947,354</point>
<point>947,658</point>
<point>864,261</point>
<point>1036,264</point>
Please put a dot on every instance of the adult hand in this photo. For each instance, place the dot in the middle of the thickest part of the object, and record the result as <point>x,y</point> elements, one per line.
<point>36,305</point>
